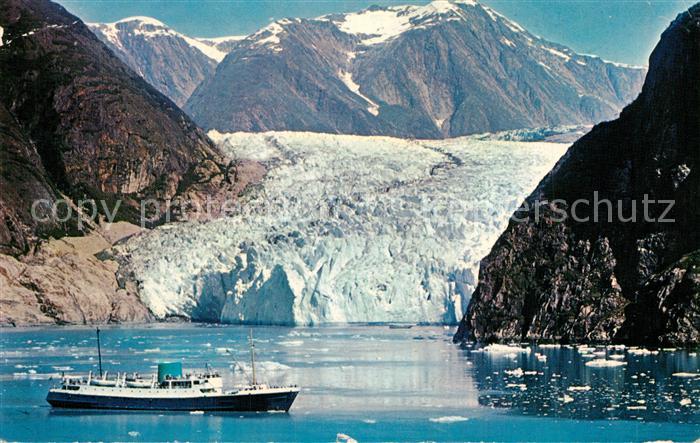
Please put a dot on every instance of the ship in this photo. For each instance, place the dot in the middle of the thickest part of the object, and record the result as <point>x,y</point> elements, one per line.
<point>169,390</point>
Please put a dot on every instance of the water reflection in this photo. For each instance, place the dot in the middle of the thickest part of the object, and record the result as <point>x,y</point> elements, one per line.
<point>590,382</point>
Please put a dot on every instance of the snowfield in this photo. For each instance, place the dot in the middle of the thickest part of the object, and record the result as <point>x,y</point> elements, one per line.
<point>342,229</point>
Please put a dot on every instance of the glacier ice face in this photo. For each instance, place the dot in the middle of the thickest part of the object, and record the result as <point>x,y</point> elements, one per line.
<point>342,229</point>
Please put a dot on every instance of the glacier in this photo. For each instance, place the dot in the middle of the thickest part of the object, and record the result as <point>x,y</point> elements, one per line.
<point>342,229</point>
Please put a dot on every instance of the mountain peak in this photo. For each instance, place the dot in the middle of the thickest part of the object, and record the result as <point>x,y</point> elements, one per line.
<point>143,20</point>
<point>380,24</point>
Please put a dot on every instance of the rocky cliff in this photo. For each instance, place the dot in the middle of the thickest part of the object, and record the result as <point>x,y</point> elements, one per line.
<point>99,129</point>
<point>551,276</point>
<point>77,123</point>
<point>440,70</point>
<point>68,281</point>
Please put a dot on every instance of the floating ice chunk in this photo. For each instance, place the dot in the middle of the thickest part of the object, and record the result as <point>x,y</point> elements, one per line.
<point>566,399</point>
<point>196,412</point>
<point>62,368</point>
<point>291,343</point>
<point>641,351</point>
<point>369,421</point>
<point>637,408</point>
<point>505,349</point>
<point>685,402</point>
<point>521,386</point>
<point>603,363</point>
<point>134,434</point>
<point>515,372</point>
<point>449,419</point>
<point>617,357</point>
<point>223,351</point>
<point>686,374</point>
<point>549,346</point>
<point>578,388</point>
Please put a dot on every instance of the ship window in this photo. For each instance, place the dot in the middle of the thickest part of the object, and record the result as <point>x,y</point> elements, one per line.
<point>207,389</point>
<point>72,388</point>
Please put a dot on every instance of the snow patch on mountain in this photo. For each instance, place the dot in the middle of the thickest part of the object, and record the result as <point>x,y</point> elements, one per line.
<point>381,25</point>
<point>342,229</point>
<point>219,40</point>
<point>556,52</point>
<point>346,78</point>
<point>2,32</point>
<point>149,27</point>
<point>496,16</point>
<point>270,35</point>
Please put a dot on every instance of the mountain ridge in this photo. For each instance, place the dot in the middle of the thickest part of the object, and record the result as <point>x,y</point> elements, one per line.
<point>371,73</point>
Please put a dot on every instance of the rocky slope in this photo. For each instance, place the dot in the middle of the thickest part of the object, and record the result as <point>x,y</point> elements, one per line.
<point>23,180</point>
<point>100,131</point>
<point>610,280</point>
<point>172,62</point>
<point>64,282</point>
<point>440,70</point>
<point>77,123</point>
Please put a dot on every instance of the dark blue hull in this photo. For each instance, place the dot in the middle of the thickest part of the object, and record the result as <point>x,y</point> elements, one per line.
<point>239,403</point>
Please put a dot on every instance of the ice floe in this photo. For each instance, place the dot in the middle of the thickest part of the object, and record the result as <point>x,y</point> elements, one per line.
<point>449,419</point>
<point>603,363</point>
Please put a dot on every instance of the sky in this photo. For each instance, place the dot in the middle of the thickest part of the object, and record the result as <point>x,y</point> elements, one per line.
<point>619,30</point>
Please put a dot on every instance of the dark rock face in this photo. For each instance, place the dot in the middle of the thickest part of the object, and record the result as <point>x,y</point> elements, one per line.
<point>610,280</point>
<point>171,62</point>
<point>23,180</point>
<point>669,307</point>
<point>100,131</point>
<point>448,69</point>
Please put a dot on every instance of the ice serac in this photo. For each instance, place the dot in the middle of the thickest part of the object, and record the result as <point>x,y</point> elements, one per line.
<point>444,69</point>
<point>342,229</point>
<point>611,280</point>
<point>170,61</point>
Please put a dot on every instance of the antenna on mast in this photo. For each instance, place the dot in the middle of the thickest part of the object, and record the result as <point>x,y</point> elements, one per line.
<point>252,356</point>
<point>99,351</point>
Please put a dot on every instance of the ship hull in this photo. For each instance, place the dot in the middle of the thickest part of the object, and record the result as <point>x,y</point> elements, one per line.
<point>258,402</point>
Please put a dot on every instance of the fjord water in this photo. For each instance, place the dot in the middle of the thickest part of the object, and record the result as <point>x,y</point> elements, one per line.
<point>369,382</point>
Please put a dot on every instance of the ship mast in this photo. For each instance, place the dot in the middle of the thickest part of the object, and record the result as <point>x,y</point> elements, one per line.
<point>252,356</point>
<point>99,351</point>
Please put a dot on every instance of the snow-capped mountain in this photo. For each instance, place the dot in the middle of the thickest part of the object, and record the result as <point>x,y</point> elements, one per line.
<point>440,70</point>
<point>172,62</point>
<point>343,228</point>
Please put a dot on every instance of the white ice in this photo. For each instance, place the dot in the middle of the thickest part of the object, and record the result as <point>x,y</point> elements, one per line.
<point>343,229</point>
<point>602,363</point>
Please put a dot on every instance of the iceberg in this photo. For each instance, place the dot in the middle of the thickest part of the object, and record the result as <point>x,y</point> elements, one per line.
<point>342,229</point>
<point>603,363</point>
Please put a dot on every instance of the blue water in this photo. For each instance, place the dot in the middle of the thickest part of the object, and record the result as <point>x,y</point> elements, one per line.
<point>369,382</point>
